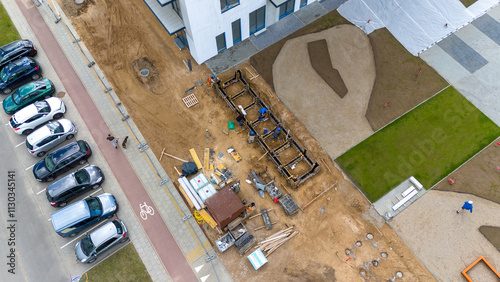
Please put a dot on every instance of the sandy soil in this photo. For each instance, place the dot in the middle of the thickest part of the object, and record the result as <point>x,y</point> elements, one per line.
<point>337,123</point>
<point>114,31</point>
<point>450,242</point>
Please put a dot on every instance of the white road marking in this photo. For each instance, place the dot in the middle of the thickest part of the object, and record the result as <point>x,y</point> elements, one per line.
<point>204,278</point>
<point>84,233</point>
<point>96,191</point>
<point>31,166</point>
<point>40,191</point>
<point>20,144</point>
<point>198,268</point>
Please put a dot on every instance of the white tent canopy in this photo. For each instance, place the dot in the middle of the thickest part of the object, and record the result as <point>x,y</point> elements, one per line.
<point>416,24</point>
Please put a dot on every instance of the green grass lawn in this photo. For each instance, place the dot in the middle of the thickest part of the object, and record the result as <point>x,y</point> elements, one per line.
<point>429,143</point>
<point>125,265</point>
<point>8,32</point>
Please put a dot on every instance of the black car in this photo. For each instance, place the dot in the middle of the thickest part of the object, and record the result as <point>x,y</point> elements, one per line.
<point>75,153</point>
<point>63,190</point>
<point>19,72</point>
<point>16,50</point>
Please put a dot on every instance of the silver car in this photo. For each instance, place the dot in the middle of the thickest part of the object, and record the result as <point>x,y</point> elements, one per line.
<point>101,240</point>
<point>36,114</point>
<point>50,135</point>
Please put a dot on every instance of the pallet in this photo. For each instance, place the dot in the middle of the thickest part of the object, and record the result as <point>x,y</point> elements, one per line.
<point>190,100</point>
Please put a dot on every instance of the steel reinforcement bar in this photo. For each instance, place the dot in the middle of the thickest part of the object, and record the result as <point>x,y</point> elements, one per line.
<point>273,154</point>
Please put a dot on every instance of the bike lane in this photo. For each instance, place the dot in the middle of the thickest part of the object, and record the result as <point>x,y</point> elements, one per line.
<point>160,237</point>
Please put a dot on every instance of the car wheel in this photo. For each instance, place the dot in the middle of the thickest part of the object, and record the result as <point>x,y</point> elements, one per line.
<point>7,91</point>
<point>96,186</point>
<point>40,154</point>
<point>91,260</point>
<point>80,162</point>
<point>50,178</point>
<point>27,131</point>
<point>62,204</point>
<point>73,234</point>
<point>59,115</point>
<point>124,240</point>
<point>35,76</point>
<point>70,136</point>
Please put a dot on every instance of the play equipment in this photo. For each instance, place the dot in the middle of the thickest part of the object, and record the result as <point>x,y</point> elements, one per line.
<point>481,258</point>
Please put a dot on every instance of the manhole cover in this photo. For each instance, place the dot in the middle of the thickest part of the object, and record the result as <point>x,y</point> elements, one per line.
<point>348,251</point>
<point>358,244</point>
<point>375,263</point>
<point>61,94</point>
<point>362,273</point>
<point>144,72</point>
<point>384,255</point>
<point>369,236</point>
<point>399,274</point>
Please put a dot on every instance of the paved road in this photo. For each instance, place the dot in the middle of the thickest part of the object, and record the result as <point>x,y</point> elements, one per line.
<point>37,256</point>
<point>158,233</point>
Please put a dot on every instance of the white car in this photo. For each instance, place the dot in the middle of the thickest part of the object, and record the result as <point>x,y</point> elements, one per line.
<point>49,136</point>
<point>36,114</point>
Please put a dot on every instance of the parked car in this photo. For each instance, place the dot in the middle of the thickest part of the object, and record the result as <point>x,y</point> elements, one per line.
<point>49,136</point>
<point>18,72</point>
<point>15,50</point>
<point>62,159</point>
<point>27,94</point>
<point>36,114</point>
<point>63,190</point>
<point>102,239</point>
<point>70,220</point>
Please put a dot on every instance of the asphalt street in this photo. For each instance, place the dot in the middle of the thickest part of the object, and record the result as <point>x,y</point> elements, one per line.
<point>37,258</point>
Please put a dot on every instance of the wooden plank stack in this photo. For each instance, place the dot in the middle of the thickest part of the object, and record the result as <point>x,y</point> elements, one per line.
<point>273,242</point>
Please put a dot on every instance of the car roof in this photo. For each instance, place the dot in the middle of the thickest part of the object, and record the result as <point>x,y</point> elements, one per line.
<point>70,215</point>
<point>62,185</point>
<point>14,65</point>
<point>65,151</point>
<point>103,233</point>
<point>42,132</point>
<point>28,111</point>
<point>13,45</point>
<point>34,85</point>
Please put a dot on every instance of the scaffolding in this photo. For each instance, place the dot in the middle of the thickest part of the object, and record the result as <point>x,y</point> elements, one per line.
<point>285,168</point>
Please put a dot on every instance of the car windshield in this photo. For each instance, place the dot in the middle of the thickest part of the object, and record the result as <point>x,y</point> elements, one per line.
<point>94,206</point>
<point>81,176</point>
<point>87,245</point>
<point>49,163</point>
<point>42,107</point>
<point>55,127</point>
<point>3,75</point>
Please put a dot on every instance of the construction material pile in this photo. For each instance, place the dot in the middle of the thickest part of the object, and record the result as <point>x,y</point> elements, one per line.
<point>273,242</point>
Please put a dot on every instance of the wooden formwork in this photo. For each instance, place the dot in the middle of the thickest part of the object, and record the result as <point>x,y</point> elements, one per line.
<point>284,168</point>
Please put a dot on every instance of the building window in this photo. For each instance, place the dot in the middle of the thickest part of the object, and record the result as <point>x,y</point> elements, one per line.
<point>236,25</point>
<point>176,8</point>
<point>228,4</point>
<point>303,3</point>
<point>221,42</point>
<point>287,8</point>
<point>257,20</point>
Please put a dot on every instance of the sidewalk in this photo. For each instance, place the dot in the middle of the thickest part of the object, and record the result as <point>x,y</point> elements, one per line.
<point>180,245</point>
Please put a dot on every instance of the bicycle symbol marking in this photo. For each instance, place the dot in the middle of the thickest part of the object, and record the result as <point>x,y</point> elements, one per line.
<point>145,209</point>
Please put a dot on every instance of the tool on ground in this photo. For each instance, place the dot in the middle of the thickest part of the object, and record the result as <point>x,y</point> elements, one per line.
<point>236,156</point>
<point>315,198</point>
<point>172,156</point>
<point>209,136</point>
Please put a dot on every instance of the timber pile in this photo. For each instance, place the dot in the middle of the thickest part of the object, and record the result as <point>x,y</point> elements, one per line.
<point>273,242</point>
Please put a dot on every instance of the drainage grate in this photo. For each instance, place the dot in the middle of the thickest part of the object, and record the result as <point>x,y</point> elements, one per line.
<point>190,100</point>
<point>144,72</point>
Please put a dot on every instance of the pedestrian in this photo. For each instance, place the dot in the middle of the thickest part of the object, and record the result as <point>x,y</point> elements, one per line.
<point>276,133</point>
<point>240,119</point>
<point>262,113</point>
<point>113,140</point>
<point>467,206</point>
<point>251,137</point>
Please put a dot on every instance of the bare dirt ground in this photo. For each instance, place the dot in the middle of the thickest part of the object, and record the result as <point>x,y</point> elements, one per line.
<point>124,36</point>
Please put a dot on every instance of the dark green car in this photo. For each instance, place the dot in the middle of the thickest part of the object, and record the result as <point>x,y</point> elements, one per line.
<point>27,94</point>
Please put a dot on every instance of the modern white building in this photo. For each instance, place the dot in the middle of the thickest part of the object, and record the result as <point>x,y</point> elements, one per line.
<point>207,27</point>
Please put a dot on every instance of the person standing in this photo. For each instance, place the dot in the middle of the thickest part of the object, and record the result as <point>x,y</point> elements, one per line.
<point>467,206</point>
<point>113,140</point>
<point>276,133</point>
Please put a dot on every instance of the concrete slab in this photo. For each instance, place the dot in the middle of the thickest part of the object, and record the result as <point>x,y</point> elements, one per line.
<point>312,13</point>
<point>489,26</point>
<point>444,64</point>
<point>331,5</point>
<point>462,53</point>
<point>231,57</point>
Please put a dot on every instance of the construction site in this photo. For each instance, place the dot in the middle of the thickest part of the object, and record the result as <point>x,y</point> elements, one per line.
<point>252,154</point>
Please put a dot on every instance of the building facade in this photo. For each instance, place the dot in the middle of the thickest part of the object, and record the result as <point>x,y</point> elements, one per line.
<point>207,27</point>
